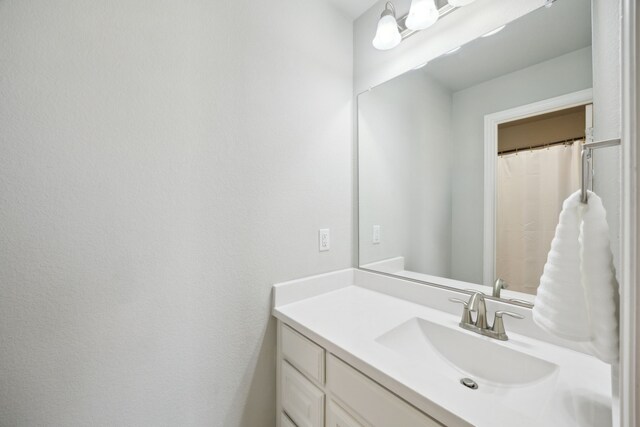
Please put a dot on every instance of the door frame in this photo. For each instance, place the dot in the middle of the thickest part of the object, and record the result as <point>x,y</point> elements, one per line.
<point>491,122</point>
<point>629,366</point>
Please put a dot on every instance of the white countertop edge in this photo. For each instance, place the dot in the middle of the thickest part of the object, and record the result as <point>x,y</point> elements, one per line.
<point>308,287</point>
<point>406,393</point>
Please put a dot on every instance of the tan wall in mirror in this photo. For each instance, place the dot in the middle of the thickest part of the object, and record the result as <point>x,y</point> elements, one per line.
<point>541,130</point>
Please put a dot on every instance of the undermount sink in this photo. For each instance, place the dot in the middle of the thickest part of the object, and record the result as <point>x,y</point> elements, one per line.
<point>458,353</point>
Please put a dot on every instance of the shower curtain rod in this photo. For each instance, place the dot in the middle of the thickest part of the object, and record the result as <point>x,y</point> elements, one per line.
<point>541,146</point>
<point>587,165</point>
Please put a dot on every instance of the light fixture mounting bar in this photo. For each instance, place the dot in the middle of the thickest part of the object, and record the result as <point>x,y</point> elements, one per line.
<point>405,32</point>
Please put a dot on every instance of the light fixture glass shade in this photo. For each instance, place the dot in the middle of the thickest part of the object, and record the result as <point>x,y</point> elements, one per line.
<point>387,36</point>
<point>422,14</point>
<point>454,50</point>
<point>460,3</point>
<point>492,32</point>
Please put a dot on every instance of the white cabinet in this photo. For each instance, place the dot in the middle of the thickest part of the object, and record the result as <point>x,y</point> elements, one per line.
<point>302,401</point>
<point>286,421</point>
<point>347,397</point>
<point>377,405</point>
<point>304,354</point>
<point>338,417</point>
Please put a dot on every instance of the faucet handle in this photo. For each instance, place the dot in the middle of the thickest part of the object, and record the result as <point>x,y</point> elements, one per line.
<point>466,316</point>
<point>499,314</point>
<point>524,302</point>
<point>498,323</point>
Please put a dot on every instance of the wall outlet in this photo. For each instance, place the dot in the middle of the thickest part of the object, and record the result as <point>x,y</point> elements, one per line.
<point>324,243</point>
<point>376,234</point>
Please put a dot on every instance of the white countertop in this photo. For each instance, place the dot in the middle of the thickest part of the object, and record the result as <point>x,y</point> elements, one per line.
<point>346,320</point>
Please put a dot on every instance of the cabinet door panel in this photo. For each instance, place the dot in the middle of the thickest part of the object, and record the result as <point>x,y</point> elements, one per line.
<point>372,402</point>
<point>303,353</point>
<point>301,400</point>
<point>338,417</point>
<point>285,421</point>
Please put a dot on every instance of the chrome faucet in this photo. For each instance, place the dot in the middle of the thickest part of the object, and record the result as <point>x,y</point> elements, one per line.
<point>498,286</point>
<point>476,304</point>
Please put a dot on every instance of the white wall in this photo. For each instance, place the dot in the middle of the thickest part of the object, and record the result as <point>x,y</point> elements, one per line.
<point>637,202</point>
<point>635,128</point>
<point>607,112</point>
<point>564,74</point>
<point>163,163</point>
<point>606,125</point>
<point>404,148</point>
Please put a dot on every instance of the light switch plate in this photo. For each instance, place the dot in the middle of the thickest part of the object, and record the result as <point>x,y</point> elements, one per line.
<point>376,234</point>
<point>324,243</point>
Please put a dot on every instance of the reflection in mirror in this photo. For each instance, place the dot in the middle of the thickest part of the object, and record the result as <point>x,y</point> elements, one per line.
<point>424,155</point>
<point>537,168</point>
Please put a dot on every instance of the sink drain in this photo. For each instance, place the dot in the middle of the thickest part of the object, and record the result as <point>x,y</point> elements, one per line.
<point>468,382</point>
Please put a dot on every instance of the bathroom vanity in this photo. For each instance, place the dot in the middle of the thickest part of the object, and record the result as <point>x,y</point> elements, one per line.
<point>357,348</point>
<point>455,202</point>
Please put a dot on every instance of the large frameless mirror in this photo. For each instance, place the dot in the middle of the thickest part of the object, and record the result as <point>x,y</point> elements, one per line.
<point>464,163</point>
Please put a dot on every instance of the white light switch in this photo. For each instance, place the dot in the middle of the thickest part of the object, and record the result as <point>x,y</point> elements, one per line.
<point>376,234</point>
<point>324,242</point>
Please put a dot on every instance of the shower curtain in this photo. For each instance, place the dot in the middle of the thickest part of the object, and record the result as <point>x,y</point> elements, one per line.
<point>531,186</point>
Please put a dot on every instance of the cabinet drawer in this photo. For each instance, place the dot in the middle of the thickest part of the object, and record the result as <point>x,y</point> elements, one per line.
<point>338,417</point>
<point>374,403</point>
<point>285,421</point>
<point>302,353</point>
<point>301,400</point>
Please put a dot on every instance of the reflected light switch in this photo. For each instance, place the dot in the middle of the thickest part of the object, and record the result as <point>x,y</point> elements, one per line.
<point>376,234</point>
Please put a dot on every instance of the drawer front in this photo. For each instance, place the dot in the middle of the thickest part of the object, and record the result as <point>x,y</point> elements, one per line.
<point>374,403</point>
<point>285,421</point>
<point>301,400</point>
<point>302,353</point>
<point>338,417</point>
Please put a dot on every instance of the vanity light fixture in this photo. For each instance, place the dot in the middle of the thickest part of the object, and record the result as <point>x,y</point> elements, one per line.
<point>387,35</point>
<point>492,32</point>
<point>422,14</point>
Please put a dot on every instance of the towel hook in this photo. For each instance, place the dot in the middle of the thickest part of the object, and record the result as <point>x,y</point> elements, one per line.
<point>586,173</point>
<point>587,163</point>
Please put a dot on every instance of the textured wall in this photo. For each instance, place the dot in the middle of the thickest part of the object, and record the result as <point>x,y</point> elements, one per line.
<point>162,164</point>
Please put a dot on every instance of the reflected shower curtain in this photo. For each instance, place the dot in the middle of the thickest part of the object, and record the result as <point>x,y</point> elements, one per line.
<point>530,189</point>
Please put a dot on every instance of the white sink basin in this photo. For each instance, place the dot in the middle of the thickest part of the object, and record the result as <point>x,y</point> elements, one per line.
<point>458,353</point>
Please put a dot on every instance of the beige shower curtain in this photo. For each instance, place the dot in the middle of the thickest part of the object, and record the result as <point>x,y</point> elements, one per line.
<point>531,187</point>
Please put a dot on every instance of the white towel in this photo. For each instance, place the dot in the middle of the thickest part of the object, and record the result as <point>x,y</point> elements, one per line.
<point>577,297</point>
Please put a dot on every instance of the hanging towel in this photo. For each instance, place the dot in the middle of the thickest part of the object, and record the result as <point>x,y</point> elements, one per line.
<point>560,306</point>
<point>578,294</point>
